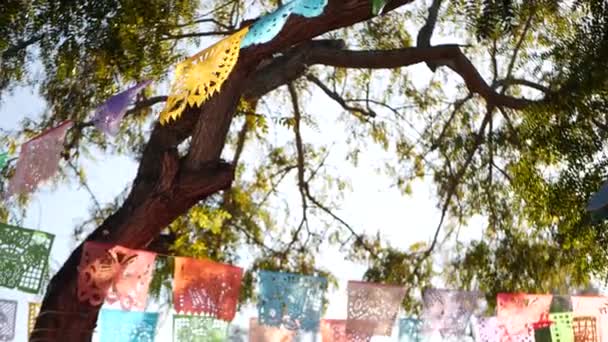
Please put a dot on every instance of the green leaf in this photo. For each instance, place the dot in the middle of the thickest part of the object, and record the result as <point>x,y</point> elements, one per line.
<point>378,6</point>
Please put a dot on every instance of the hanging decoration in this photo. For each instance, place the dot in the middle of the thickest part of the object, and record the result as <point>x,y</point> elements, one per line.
<point>378,6</point>
<point>108,116</point>
<point>127,326</point>
<point>265,333</point>
<point>292,300</point>
<point>519,311</point>
<point>448,311</point>
<point>32,314</point>
<point>115,274</point>
<point>3,160</point>
<point>585,329</point>
<point>8,319</point>
<point>309,8</point>
<point>38,159</point>
<point>593,314</point>
<point>410,330</point>
<point>198,328</point>
<point>202,75</point>
<point>268,27</point>
<point>372,308</point>
<point>334,330</point>
<point>206,287</point>
<point>561,329</point>
<point>23,257</point>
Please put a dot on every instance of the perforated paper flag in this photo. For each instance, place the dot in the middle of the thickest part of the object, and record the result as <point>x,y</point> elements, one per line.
<point>199,329</point>
<point>447,311</point>
<point>265,333</point>
<point>268,27</point>
<point>8,319</point>
<point>32,315</point>
<point>3,159</point>
<point>292,300</point>
<point>116,274</point>
<point>590,316</point>
<point>334,330</point>
<point>38,159</point>
<point>109,114</point>
<point>127,326</point>
<point>518,312</point>
<point>309,8</point>
<point>410,330</point>
<point>206,287</point>
<point>23,257</point>
<point>561,329</point>
<point>202,75</point>
<point>372,308</point>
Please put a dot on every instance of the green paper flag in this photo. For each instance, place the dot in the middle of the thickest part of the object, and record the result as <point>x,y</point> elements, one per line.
<point>378,6</point>
<point>199,329</point>
<point>3,158</point>
<point>561,329</point>
<point>23,257</point>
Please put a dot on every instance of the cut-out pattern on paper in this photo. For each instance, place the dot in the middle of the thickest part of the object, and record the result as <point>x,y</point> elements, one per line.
<point>24,257</point>
<point>265,333</point>
<point>591,306</point>
<point>309,8</point>
<point>32,315</point>
<point>202,75</point>
<point>448,312</point>
<point>561,329</point>
<point>410,330</point>
<point>199,329</point>
<point>115,274</point>
<point>292,300</point>
<point>585,329</point>
<point>8,319</point>
<point>373,308</point>
<point>109,114</point>
<point>206,287</point>
<point>334,330</point>
<point>518,312</point>
<point>127,326</point>
<point>38,159</point>
<point>268,26</point>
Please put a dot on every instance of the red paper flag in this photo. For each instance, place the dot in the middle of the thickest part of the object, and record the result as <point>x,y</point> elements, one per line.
<point>38,159</point>
<point>266,333</point>
<point>373,308</point>
<point>115,273</point>
<point>519,312</point>
<point>204,286</point>
<point>334,330</point>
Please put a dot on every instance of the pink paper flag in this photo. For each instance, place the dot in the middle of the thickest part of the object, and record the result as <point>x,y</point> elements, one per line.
<point>590,317</point>
<point>518,312</point>
<point>448,311</point>
<point>488,329</point>
<point>109,114</point>
<point>265,333</point>
<point>115,273</point>
<point>372,308</point>
<point>334,330</point>
<point>38,159</point>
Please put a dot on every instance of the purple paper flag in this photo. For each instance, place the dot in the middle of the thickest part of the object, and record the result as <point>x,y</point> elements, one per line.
<point>108,115</point>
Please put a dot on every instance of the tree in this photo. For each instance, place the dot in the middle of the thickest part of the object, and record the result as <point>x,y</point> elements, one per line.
<point>519,139</point>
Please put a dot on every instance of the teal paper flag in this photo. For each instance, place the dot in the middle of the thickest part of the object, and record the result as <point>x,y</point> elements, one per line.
<point>127,326</point>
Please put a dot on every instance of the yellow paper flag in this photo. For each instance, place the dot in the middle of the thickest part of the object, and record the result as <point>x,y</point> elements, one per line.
<point>202,75</point>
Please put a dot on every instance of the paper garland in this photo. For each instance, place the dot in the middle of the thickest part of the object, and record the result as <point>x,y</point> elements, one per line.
<point>448,311</point>
<point>32,315</point>
<point>8,319</point>
<point>108,115</point>
<point>199,329</point>
<point>372,308</point>
<point>518,312</point>
<point>265,333</point>
<point>590,316</point>
<point>206,287</point>
<point>23,257</point>
<point>127,326</point>
<point>114,273</point>
<point>202,75</point>
<point>290,299</point>
<point>38,159</point>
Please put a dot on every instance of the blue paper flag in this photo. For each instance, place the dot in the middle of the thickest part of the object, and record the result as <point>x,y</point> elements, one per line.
<point>127,326</point>
<point>268,26</point>
<point>292,300</point>
<point>410,330</point>
<point>309,8</point>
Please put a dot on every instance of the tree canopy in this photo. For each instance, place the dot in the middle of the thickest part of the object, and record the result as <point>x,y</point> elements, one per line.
<point>510,125</point>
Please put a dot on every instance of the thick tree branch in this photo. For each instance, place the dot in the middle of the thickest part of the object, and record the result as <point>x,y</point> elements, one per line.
<point>426,32</point>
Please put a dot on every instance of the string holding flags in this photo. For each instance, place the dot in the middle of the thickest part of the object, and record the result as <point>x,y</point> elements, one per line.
<point>290,299</point>
<point>38,159</point>
<point>108,116</point>
<point>127,326</point>
<point>23,257</point>
<point>8,319</point>
<point>202,75</point>
<point>115,274</point>
<point>372,308</point>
